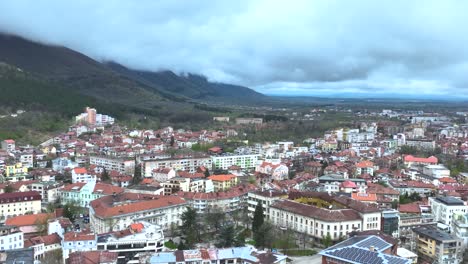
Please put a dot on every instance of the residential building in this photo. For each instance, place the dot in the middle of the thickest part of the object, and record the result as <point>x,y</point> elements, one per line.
<point>423,144</point>
<point>43,244</point>
<point>16,169</point>
<point>59,226</point>
<point>93,257</point>
<point>11,237</point>
<point>81,175</point>
<point>91,117</point>
<point>460,227</point>
<point>236,255</point>
<point>362,250</point>
<point>246,162</point>
<point>177,184</point>
<point>435,246</point>
<point>249,121</point>
<point>409,187</point>
<point>19,203</point>
<point>390,222</point>
<point>78,241</point>
<point>190,164</point>
<point>266,198</point>
<point>365,167</point>
<point>223,182</point>
<point>437,171</point>
<point>163,174</point>
<point>277,171</point>
<point>8,145</point>
<point>234,199</point>
<point>84,193</point>
<point>138,238</point>
<point>116,212</point>
<point>443,208</point>
<point>31,224</point>
<point>124,166</point>
<point>333,183</point>
<point>49,190</point>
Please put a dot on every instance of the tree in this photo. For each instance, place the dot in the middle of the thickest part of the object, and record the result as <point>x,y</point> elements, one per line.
<point>327,241</point>
<point>49,164</point>
<point>8,189</point>
<point>105,176</point>
<point>207,173</point>
<point>137,176</point>
<point>171,143</point>
<point>215,218</point>
<point>258,218</point>
<point>227,236</point>
<point>53,257</point>
<point>264,236</point>
<point>190,227</point>
<point>70,210</point>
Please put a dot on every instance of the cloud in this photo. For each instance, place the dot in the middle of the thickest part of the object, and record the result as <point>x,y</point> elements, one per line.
<point>306,46</point>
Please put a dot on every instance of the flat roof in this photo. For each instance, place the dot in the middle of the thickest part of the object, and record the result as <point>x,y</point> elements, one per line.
<point>450,200</point>
<point>435,234</point>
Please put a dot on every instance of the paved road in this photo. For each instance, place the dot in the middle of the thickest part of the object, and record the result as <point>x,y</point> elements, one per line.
<point>315,259</point>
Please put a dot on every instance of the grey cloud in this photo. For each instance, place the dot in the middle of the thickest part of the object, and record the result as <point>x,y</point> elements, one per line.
<point>273,46</point>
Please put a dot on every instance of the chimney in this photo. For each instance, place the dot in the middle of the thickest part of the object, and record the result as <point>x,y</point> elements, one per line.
<point>372,248</point>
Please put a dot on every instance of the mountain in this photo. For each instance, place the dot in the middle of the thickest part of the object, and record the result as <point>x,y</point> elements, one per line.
<point>115,83</point>
<point>190,85</point>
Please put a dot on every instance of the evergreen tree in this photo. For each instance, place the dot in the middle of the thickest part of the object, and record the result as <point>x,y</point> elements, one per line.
<point>190,227</point>
<point>105,176</point>
<point>207,173</point>
<point>327,240</point>
<point>172,141</point>
<point>258,218</point>
<point>227,236</point>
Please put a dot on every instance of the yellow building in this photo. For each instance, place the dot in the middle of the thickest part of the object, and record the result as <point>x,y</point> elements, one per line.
<point>223,181</point>
<point>16,169</point>
<point>436,246</point>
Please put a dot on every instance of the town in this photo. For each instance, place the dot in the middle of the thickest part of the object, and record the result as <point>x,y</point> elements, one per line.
<point>378,192</point>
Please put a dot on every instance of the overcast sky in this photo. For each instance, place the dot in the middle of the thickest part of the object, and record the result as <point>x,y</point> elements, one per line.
<point>276,47</point>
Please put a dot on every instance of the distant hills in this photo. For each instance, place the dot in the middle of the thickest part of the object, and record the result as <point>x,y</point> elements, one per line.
<point>61,68</point>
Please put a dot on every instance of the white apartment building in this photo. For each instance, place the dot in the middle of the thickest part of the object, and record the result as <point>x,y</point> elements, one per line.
<point>443,208</point>
<point>189,164</point>
<point>123,166</point>
<point>82,175</point>
<point>266,198</point>
<point>243,161</point>
<point>74,241</point>
<point>116,212</point>
<point>8,145</point>
<point>460,227</point>
<point>19,203</point>
<point>136,239</point>
<point>436,171</point>
<point>11,238</point>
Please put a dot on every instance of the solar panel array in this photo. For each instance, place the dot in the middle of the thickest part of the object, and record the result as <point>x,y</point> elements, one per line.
<point>374,241</point>
<point>348,242</point>
<point>395,260</point>
<point>358,255</point>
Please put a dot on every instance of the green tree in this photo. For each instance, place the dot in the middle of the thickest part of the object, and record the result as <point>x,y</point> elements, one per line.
<point>105,176</point>
<point>264,236</point>
<point>8,189</point>
<point>215,218</point>
<point>207,173</point>
<point>190,227</point>
<point>137,176</point>
<point>172,142</point>
<point>258,218</point>
<point>327,241</point>
<point>71,209</point>
<point>227,236</point>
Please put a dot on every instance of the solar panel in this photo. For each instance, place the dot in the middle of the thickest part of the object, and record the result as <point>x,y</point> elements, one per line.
<point>374,241</point>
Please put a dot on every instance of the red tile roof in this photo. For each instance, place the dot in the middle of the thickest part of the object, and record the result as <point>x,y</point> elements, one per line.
<point>29,220</point>
<point>128,203</point>
<point>365,164</point>
<point>431,159</point>
<point>317,213</point>
<point>92,257</point>
<point>19,197</point>
<point>364,197</point>
<point>222,177</point>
